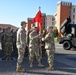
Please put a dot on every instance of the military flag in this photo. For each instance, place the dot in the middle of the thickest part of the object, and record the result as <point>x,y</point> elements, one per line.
<point>38,19</point>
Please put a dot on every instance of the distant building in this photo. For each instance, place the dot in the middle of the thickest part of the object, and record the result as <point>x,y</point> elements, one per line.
<point>50,20</point>
<point>55,16</point>
<point>73,14</point>
<point>63,11</point>
<point>29,22</point>
<point>4,26</point>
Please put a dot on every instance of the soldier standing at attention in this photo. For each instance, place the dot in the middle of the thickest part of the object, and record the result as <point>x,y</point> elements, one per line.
<point>21,44</point>
<point>14,42</point>
<point>2,43</point>
<point>34,47</point>
<point>50,47</point>
<point>8,39</point>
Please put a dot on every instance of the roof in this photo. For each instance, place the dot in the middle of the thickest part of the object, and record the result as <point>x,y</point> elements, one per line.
<point>63,1</point>
<point>8,25</point>
<point>55,14</point>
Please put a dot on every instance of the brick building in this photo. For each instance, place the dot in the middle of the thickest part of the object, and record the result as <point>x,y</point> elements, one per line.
<point>63,12</point>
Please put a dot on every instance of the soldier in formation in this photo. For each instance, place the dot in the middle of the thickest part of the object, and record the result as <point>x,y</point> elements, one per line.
<point>2,42</point>
<point>50,47</point>
<point>15,50</point>
<point>7,43</point>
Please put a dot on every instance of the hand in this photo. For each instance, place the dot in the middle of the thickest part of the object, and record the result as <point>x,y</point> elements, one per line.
<point>23,48</point>
<point>27,45</point>
<point>40,36</point>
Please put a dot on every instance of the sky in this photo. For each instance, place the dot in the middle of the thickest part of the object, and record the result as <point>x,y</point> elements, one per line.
<point>15,11</point>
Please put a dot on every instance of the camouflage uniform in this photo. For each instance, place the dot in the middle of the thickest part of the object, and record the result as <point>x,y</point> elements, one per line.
<point>28,39</point>
<point>21,43</point>
<point>34,48</point>
<point>2,42</point>
<point>27,36</point>
<point>8,39</point>
<point>50,48</point>
<point>14,42</point>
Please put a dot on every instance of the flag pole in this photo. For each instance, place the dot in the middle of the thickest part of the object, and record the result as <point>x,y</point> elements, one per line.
<point>40,39</point>
<point>39,23</point>
<point>39,8</point>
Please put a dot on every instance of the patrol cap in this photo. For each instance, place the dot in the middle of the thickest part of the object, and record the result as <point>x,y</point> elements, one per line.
<point>9,28</point>
<point>33,25</point>
<point>23,22</point>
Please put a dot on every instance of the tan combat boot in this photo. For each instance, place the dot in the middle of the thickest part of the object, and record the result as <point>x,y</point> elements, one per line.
<point>20,70</point>
<point>31,65</point>
<point>40,65</point>
<point>49,68</point>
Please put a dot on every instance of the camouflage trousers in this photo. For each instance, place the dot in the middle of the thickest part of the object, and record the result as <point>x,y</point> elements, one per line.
<point>21,53</point>
<point>50,55</point>
<point>34,50</point>
<point>7,50</point>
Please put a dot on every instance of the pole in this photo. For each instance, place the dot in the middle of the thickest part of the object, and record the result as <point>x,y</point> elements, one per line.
<point>40,43</point>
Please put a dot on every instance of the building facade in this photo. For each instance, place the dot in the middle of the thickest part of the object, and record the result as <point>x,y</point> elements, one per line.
<point>73,14</point>
<point>63,11</point>
<point>50,20</point>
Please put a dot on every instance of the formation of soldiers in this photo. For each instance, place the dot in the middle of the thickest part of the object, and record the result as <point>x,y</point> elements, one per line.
<point>31,39</point>
<point>8,43</point>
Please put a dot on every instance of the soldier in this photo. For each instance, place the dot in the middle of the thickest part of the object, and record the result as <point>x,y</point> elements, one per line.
<point>34,47</point>
<point>50,47</point>
<point>21,44</point>
<point>43,43</point>
<point>28,32</point>
<point>14,42</point>
<point>2,43</point>
<point>27,36</point>
<point>8,39</point>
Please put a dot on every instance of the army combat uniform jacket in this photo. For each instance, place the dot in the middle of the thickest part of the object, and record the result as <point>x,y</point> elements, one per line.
<point>49,42</point>
<point>21,38</point>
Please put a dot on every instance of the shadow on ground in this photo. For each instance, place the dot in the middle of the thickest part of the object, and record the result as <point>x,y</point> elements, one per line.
<point>8,67</point>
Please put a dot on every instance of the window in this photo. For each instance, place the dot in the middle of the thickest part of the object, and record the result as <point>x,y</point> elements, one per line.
<point>46,19</point>
<point>69,11</point>
<point>70,4</point>
<point>63,3</point>
<point>53,19</point>
<point>66,4</point>
<point>52,23</point>
<point>73,22</point>
<point>46,23</point>
<point>74,10</point>
<point>73,17</point>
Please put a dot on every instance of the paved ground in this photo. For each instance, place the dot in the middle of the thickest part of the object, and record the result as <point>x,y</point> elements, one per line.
<point>65,64</point>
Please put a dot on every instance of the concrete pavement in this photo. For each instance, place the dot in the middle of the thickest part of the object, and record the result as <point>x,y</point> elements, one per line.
<point>65,64</point>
